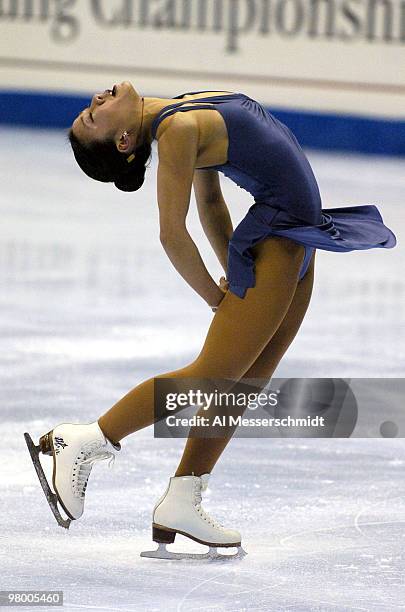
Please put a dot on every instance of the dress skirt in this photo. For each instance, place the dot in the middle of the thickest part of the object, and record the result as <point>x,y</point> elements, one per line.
<point>346,229</point>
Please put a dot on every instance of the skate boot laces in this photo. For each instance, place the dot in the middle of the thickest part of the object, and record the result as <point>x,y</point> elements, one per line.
<point>198,487</point>
<point>83,465</point>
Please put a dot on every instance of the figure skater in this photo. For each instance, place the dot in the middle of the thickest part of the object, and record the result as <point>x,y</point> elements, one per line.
<point>268,262</point>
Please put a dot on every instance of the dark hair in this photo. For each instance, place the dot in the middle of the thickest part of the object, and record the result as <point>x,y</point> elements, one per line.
<point>103,162</point>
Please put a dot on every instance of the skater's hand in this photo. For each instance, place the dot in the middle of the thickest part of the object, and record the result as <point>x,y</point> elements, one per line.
<point>223,286</point>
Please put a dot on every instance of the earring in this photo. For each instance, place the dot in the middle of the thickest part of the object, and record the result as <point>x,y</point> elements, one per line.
<point>132,156</point>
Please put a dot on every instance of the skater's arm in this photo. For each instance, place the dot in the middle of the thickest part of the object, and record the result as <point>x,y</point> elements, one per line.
<point>177,146</point>
<point>213,212</point>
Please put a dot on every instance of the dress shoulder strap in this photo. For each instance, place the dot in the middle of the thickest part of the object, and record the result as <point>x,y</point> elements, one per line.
<point>192,93</point>
<point>186,105</point>
<point>174,108</point>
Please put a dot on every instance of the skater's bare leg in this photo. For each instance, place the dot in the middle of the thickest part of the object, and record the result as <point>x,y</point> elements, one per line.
<point>251,321</point>
<point>201,454</point>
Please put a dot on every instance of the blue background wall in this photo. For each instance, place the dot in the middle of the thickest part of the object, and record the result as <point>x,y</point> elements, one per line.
<point>314,130</point>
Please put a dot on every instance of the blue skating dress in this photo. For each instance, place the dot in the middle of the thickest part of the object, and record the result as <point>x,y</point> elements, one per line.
<point>265,158</point>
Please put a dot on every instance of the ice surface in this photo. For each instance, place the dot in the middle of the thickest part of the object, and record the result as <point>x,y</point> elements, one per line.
<point>90,306</point>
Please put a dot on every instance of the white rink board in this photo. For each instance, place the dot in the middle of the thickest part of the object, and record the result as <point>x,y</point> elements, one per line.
<point>328,55</point>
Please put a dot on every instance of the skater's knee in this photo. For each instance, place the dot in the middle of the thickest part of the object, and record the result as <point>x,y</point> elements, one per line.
<point>206,367</point>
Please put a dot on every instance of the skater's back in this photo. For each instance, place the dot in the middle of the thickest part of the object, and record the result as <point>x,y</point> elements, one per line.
<point>264,157</point>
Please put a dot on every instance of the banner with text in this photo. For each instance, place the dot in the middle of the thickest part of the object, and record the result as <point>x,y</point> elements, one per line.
<point>331,55</point>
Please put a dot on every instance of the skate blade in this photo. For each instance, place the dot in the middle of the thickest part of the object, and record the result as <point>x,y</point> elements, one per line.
<point>213,555</point>
<point>51,497</point>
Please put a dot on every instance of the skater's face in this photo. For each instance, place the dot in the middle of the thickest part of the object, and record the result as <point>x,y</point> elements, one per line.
<point>109,115</point>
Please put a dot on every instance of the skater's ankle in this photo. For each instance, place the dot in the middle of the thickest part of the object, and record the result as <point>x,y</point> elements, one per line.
<point>198,473</point>
<point>107,436</point>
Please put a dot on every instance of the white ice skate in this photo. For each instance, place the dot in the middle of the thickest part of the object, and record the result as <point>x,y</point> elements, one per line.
<point>179,511</point>
<point>74,448</point>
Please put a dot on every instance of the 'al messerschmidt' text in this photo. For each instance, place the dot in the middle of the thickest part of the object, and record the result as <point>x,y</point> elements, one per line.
<point>232,421</point>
